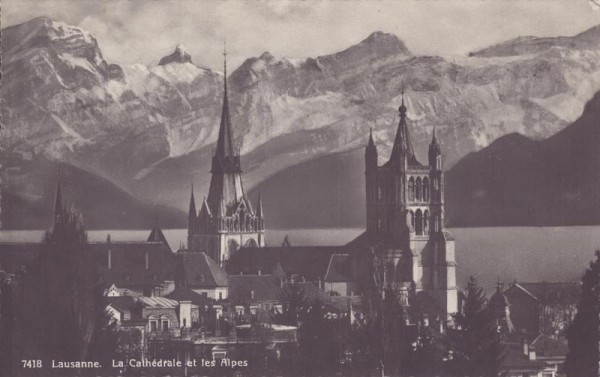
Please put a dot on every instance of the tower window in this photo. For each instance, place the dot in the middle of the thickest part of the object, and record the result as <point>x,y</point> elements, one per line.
<point>426,189</point>
<point>411,189</point>
<point>419,189</point>
<point>419,223</point>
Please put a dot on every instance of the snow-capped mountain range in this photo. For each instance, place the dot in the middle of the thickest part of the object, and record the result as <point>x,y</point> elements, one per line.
<point>150,129</point>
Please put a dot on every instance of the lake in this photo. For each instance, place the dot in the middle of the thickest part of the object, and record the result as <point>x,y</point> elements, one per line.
<point>522,253</point>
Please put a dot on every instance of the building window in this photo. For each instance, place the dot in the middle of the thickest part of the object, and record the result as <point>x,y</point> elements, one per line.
<point>220,295</point>
<point>426,189</point>
<point>153,324</point>
<point>164,324</point>
<point>411,189</point>
<point>419,189</point>
<point>419,223</point>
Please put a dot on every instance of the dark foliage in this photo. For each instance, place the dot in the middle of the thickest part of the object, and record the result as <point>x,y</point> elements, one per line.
<point>474,339</point>
<point>583,334</point>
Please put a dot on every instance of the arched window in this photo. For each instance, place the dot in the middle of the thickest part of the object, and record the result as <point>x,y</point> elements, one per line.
<point>426,222</point>
<point>251,243</point>
<point>419,223</point>
<point>426,189</point>
<point>233,247</point>
<point>419,189</point>
<point>411,189</point>
<point>164,323</point>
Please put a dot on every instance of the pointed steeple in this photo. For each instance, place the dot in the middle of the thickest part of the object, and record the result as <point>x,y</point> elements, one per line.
<point>192,211</point>
<point>59,208</point>
<point>192,214</point>
<point>435,153</point>
<point>259,208</point>
<point>371,144</point>
<point>402,143</point>
<point>225,147</point>
<point>286,242</point>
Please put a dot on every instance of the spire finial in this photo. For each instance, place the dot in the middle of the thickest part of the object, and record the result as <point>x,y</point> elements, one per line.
<point>402,108</point>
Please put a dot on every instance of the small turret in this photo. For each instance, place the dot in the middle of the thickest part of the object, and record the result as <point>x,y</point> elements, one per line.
<point>192,215</point>
<point>435,154</point>
<point>59,208</point>
<point>371,153</point>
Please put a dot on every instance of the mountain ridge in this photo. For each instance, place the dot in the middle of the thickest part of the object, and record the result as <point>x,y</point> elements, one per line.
<point>132,123</point>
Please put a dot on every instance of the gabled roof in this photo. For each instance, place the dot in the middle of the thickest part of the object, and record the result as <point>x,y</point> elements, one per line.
<point>516,360</point>
<point>311,262</point>
<point>265,288</point>
<point>200,271</point>
<point>546,346</point>
<point>128,263</point>
<point>158,302</point>
<point>122,303</point>
<point>186,294</point>
<point>338,269</point>
<point>156,235</point>
<point>559,292</point>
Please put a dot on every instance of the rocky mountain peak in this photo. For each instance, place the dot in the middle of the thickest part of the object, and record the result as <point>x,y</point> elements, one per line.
<point>385,41</point>
<point>180,55</point>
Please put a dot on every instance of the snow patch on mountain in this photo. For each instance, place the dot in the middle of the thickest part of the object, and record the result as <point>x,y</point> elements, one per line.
<point>177,73</point>
<point>77,62</point>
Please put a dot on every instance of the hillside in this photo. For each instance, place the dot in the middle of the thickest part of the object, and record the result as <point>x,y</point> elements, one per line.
<point>29,188</point>
<point>519,181</point>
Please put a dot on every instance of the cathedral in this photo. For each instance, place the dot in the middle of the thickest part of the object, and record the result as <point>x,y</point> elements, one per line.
<point>405,219</point>
<point>226,220</point>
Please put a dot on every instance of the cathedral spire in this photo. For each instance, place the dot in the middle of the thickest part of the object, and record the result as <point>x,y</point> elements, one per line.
<point>192,214</point>
<point>225,147</point>
<point>402,143</point>
<point>259,208</point>
<point>371,144</point>
<point>59,208</point>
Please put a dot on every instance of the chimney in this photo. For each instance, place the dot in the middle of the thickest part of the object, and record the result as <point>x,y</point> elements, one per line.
<point>259,272</point>
<point>252,294</point>
<point>185,313</point>
<point>109,259</point>
<point>532,355</point>
<point>525,347</point>
<point>320,283</point>
<point>147,257</point>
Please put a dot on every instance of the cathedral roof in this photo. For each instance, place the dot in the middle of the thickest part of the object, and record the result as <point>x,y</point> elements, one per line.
<point>128,263</point>
<point>156,235</point>
<point>337,271</point>
<point>311,262</point>
<point>200,271</point>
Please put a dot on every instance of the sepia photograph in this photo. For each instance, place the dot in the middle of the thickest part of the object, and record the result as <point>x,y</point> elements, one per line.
<point>300,188</point>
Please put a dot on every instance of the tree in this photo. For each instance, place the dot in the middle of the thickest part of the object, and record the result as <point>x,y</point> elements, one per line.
<point>474,340</point>
<point>295,305</point>
<point>61,296</point>
<point>583,334</point>
<point>381,338</point>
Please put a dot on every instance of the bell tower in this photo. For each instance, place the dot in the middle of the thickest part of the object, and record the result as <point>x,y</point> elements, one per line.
<point>405,216</point>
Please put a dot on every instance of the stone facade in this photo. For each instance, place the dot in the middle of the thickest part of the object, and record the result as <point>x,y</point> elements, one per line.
<point>405,219</point>
<point>226,220</point>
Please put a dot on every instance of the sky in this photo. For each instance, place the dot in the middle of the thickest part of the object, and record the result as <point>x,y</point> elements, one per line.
<point>143,31</point>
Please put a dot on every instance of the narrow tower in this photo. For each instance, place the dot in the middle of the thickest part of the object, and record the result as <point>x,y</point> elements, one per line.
<point>405,212</point>
<point>226,220</point>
